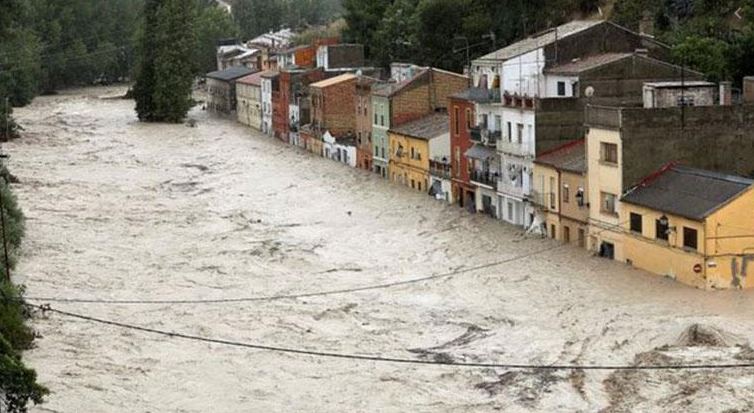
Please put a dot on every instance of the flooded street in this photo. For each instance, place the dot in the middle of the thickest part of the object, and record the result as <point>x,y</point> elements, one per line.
<point>119,210</point>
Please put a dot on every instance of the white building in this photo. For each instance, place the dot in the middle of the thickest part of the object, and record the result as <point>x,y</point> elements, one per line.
<point>518,78</point>
<point>440,185</point>
<point>268,81</point>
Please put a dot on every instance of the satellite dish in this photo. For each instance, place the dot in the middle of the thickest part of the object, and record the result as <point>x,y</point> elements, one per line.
<point>589,91</point>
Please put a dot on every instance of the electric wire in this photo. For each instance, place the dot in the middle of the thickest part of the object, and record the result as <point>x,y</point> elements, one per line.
<point>386,359</point>
<point>301,295</point>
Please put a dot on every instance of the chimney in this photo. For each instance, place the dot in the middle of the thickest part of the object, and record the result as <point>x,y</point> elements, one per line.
<point>726,93</point>
<point>749,89</point>
<point>647,25</point>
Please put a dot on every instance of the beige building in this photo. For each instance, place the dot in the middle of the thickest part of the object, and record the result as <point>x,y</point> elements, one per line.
<point>221,89</point>
<point>249,100</point>
<point>604,162</point>
<point>560,193</point>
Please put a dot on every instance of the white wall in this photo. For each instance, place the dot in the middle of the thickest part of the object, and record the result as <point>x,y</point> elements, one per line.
<point>439,147</point>
<point>551,82</point>
<point>322,57</point>
<point>523,74</point>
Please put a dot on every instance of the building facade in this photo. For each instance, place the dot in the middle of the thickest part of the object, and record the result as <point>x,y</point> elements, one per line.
<point>221,89</point>
<point>270,82</point>
<point>560,193</point>
<point>410,153</point>
<point>692,225</point>
<point>364,113</point>
<point>249,100</point>
<point>396,103</point>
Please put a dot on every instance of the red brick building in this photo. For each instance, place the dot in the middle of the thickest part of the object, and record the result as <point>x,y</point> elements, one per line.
<point>292,83</point>
<point>462,110</point>
<point>363,105</point>
<point>332,103</point>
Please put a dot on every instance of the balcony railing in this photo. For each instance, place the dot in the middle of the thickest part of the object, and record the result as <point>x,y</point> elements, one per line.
<point>440,169</point>
<point>485,136</point>
<point>506,186</point>
<point>488,178</point>
<point>544,200</point>
<point>524,150</point>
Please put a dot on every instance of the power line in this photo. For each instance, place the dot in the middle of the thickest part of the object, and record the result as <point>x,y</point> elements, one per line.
<point>301,295</point>
<point>317,293</point>
<point>394,360</point>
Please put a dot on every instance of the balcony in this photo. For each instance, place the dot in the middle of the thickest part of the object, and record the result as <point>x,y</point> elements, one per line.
<point>440,169</point>
<point>518,101</point>
<point>484,136</point>
<point>510,188</point>
<point>486,178</point>
<point>544,200</point>
<point>524,150</point>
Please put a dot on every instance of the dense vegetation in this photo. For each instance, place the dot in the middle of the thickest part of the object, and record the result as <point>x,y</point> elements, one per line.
<point>255,17</point>
<point>706,35</point>
<point>18,384</point>
<point>165,77</point>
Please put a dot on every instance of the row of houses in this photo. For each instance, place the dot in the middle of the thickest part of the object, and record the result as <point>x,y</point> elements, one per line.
<point>585,133</point>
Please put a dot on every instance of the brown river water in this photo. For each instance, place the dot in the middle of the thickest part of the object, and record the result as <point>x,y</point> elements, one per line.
<point>121,210</point>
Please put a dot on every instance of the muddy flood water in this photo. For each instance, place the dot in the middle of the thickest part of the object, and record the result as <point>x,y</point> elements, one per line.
<point>119,210</point>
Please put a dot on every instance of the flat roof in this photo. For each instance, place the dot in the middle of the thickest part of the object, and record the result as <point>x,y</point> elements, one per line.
<point>230,73</point>
<point>334,80</point>
<point>677,84</point>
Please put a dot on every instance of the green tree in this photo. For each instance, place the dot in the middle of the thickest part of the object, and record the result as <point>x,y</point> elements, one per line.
<point>396,38</point>
<point>174,63</point>
<point>212,24</point>
<point>146,78</point>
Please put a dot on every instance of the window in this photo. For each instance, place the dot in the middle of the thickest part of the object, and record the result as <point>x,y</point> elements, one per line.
<point>484,121</point>
<point>636,223</point>
<point>608,203</point>
<point>375,118</point>
<point>580,197</point>
<point>690,238</point>
<point>609,152</point>
<point>561,89</point>
<point>662,230</point>
<point>520,132</point>
<point>456,120</point>
<point>566,234</point>
<point>685,101</point>
<point>382,120</point>
<point>566,194</point>
<point>413,153</point>
<point>498,122</point>
<point>376,151</point>
<point>413,184</point>
<point>457,169</point>
<point>469,120</point>
<point>383,153</point>
<point>510,132</point>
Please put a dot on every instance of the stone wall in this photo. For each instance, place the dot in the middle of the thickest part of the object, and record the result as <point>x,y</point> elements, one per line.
<point>718,138</point>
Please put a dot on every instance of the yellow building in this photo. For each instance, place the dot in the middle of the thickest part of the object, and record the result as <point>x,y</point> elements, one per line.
<point>559,192</point>
<point>692,225</point>
<point>604,154</point>
<point>411,148</point>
